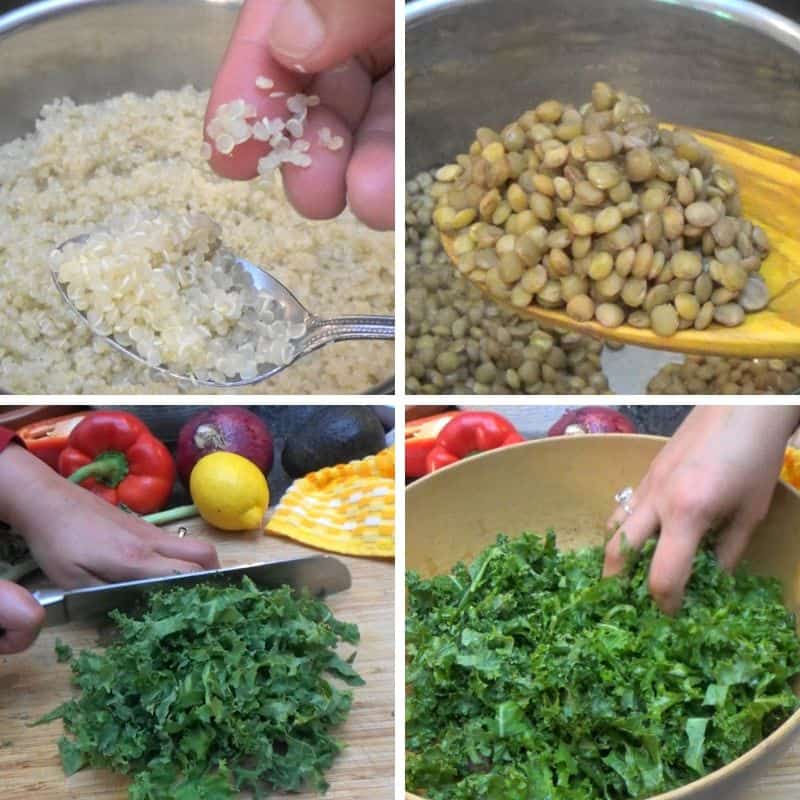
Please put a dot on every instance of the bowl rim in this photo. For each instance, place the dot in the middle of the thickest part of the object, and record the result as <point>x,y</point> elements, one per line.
<point>41,9</point>
<point>789,727</point>
<point>744,12</point>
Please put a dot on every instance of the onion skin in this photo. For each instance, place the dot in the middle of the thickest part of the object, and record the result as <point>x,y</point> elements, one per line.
<point>591,419</point>
<point>223,428</point>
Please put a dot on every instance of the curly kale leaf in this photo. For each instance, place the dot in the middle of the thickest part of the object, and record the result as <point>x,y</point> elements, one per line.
<point>211,691</point>
<point>531,676</point>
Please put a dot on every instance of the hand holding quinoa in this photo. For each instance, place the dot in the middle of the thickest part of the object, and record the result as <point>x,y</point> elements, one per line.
<point>717,475</point>
<point>308,87</point>
<point>138,159</point>
<point>78,539</point>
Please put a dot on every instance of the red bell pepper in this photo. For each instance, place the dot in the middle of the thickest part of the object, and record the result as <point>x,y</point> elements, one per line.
<point>420,439</point>
<point>48,437</point>
<point>468,433</point>
<point>114,455</point>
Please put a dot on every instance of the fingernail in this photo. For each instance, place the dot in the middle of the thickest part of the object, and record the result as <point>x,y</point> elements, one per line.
<point>297,30</point>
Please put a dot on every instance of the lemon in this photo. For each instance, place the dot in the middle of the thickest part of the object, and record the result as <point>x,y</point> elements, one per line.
<point>230,492</point>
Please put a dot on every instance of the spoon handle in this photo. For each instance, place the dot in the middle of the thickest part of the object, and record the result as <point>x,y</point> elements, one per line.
<point>340,329</point>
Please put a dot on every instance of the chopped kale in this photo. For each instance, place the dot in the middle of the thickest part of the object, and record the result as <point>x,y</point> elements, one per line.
<point>532,677</point>
<point>63,652</point>
<point>211,691</point>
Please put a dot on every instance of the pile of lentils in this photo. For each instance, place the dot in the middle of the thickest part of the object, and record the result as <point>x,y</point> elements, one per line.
<point>600,211</point>
<point>714,375</point>
<point>458,341</point>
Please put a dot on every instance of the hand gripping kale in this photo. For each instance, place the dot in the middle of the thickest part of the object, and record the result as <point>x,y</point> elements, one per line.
<point>213,690</point>
<point>531,677</point>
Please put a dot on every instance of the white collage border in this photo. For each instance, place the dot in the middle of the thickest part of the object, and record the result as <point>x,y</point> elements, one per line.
<point>399,399</point>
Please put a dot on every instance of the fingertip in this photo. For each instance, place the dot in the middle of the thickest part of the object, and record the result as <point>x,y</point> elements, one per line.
<point>297,32</point>
<point>210,559</point>
<point>241,164</point>
<point>610,568</point>
<point>318,191</point>
<point>22,618</point>
<point>666,599</point>
<point>667,585</point>
<point>615,560</point>
<point>612,563</point>
<point>732,543</point>
<point>370,181</point>
<point>308,199</point>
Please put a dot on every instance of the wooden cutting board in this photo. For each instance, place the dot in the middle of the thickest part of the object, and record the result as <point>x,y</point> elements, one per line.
<point>33,683</point>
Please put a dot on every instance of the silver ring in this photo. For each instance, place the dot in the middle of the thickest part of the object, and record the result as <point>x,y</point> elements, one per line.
<point>623,497</point>
<point>182,532</point>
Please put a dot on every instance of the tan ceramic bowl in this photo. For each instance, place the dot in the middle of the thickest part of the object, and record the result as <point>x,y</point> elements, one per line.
<point>568,484</point>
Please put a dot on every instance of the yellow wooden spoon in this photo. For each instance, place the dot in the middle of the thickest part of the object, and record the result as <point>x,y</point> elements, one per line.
<point>769,182</point>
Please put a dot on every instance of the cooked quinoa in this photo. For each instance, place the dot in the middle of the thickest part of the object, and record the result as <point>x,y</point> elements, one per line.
<point>165,286</point>
<point>232,126</point>
<point>88,163</point>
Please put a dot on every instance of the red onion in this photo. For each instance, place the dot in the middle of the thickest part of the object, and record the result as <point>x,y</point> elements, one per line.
<point>226,428</point>
<point>591,419</point>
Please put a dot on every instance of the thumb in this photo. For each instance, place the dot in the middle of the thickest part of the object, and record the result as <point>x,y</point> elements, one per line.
<point>20,618</point>
<point>314,35</point>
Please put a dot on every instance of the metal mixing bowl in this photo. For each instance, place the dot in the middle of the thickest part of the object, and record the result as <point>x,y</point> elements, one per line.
<point>724,65</point>
<point>91,50</point>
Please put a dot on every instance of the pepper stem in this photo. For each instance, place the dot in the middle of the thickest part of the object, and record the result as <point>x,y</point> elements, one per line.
<point>171,515</point>
<point>109,468</point>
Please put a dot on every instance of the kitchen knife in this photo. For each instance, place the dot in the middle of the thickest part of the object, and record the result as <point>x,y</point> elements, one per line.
<point>320,575</point>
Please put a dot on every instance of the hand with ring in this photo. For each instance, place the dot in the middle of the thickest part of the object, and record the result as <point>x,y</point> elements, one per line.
<point>718,472</point>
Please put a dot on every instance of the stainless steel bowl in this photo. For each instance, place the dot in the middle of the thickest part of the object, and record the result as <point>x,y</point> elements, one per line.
<point>94,49</point>
<point>725,65</point>
<point>91,50</point>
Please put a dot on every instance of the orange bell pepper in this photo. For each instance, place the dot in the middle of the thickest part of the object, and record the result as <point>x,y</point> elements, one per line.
<point>48,437</point>
<point>791,467</point>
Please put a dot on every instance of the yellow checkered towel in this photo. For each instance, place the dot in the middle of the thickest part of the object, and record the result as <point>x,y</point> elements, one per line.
<point>346,509</point>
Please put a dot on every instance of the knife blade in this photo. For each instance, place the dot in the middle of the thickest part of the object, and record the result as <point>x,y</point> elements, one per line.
<point>320,575</point>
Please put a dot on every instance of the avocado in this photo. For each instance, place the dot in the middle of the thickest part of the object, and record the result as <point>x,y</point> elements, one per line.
<point>333,435</point>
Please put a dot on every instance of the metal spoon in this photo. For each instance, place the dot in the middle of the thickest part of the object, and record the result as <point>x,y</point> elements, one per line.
<point>319,331</point>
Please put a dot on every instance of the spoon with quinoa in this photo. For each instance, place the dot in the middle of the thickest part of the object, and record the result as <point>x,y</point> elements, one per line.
<point>162,289</point>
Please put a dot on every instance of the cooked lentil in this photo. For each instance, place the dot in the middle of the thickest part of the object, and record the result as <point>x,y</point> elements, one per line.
<point>602,192</point>
<point>460,341</point>
<point>717,375</point>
